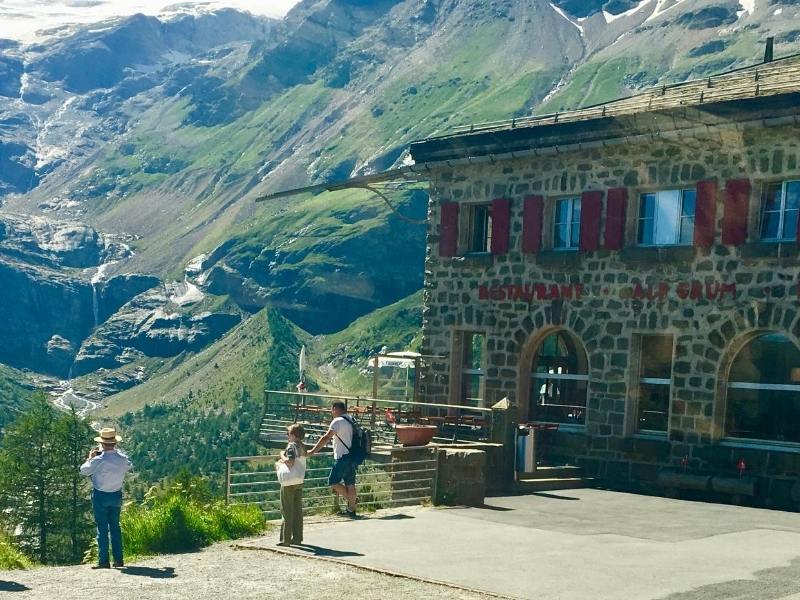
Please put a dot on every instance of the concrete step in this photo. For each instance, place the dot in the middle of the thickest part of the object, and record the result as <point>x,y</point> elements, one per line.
<point>555,472</point>
<point>552,484</point>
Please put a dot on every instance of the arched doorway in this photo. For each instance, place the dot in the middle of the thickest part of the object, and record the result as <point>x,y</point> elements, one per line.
<point>763,392</point>
<point>559,380</point>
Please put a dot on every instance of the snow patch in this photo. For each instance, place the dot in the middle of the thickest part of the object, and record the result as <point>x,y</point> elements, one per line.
<point>186,293</point>
<point>563,14</point>
<point>37,20</point>
<point>777,12</point>
<point>631,11</point>
<point>747,7</point>
<point>661,7</point>
<point>196,264</point>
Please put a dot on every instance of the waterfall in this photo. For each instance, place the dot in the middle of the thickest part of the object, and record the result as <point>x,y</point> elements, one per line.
<point>95,305</point>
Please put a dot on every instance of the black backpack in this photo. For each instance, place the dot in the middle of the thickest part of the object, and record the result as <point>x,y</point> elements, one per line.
<point>361,443</point>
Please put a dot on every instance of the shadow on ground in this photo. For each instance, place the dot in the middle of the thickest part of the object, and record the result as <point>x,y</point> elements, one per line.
<point>162,573</point>
<point>492,507</point>
<point>769,584</point>
<point>398,517</point>
<point>12,586</point>
<point>329,552</point>
<point>553,496</point>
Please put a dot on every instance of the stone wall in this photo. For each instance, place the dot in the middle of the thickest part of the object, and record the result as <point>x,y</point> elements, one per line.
<point>608,296</point>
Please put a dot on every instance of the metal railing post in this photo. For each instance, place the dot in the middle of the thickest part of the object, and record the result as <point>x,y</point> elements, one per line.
<point>435,477</point>
<point>375,375</point>
<point>228,482</point>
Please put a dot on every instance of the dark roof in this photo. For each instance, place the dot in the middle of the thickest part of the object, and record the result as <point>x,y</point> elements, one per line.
<point>766,89</point>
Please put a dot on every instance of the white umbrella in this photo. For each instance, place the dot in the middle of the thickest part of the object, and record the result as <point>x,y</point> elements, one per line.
<point>302,366</point>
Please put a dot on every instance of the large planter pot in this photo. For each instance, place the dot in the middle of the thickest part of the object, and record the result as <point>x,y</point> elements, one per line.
<point>415,435</point>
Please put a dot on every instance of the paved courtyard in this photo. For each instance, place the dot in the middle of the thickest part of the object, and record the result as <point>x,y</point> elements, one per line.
<point>580,544</point>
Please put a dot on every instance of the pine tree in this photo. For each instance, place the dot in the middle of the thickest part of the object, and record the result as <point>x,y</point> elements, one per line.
<point>41,492</point>
<point>28,463</point>
<point>74,435</point>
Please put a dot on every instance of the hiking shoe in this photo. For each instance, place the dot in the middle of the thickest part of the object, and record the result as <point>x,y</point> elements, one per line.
<point>118,564</point>
<point>350,513</point>
<point>102,566</point>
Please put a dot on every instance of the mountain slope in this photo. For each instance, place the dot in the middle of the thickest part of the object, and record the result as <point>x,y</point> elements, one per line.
<point>339,87</point>
<point>165,148</point>
<point>342,357</point>
<point>207,407</point>
<point>16,390</point>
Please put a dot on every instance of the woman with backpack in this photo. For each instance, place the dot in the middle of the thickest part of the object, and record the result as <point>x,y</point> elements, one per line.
<point>291,469</point>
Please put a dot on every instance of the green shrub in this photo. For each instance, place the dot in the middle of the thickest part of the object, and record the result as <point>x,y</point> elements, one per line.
<point>183,518</point>
<point>10,557</point>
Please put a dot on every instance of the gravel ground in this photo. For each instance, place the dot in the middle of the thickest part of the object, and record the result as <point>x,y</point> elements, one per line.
<point>220,571</point>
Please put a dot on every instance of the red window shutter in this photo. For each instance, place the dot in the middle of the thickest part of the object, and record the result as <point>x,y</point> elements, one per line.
<point>734,222</point>
<point>532,215</point>
<point>705,213</point>
<point>501,225</point>
<point>616,205</point>
<point>448,231</point>
<point>591,207</point>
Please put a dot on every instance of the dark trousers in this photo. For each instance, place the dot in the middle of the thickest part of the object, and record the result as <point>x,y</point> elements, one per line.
<point>292,513</point>
<point>107,507</point>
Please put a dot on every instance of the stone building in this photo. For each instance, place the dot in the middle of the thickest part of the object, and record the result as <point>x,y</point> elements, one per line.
<point>629,272</point>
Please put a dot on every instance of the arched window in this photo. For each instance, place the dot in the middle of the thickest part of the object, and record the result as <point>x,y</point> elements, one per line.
<point>764,391</point>
<point>558,381</point>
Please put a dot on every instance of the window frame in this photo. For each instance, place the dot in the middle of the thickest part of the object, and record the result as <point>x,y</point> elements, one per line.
<point>466,338</point>
<point>734,440</point>
<point>781,212</point>
<point>468,238</point>
<point>572,244</point>
<point>680,220</point>
<point>640,338</point>
<point>537,379</point>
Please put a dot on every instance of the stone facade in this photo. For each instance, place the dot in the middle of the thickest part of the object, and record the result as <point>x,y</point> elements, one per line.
<point>712,300</point>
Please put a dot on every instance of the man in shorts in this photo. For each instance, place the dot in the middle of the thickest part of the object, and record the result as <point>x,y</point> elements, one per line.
<point>343,473</point>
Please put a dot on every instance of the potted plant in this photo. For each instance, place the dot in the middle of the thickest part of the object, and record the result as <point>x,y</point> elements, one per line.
<point>415,435</point>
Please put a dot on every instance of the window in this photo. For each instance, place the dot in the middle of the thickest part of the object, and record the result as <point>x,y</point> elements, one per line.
<point>567,223</point>
<point>559,381</point>
<point>478,230</point>
<point>764,391</point>
<point>655,379</point>
<point>667,218</point>
<point>473,378</point>
<point>779,208</point>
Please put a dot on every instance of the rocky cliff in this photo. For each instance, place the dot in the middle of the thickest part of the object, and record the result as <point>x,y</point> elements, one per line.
<point>57,301</point>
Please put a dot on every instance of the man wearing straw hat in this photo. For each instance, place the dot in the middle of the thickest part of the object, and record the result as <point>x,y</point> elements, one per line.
<point>107,468</point>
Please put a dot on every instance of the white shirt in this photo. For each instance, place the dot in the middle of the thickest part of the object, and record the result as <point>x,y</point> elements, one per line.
<point>344,433</point>
<point>107,470</point>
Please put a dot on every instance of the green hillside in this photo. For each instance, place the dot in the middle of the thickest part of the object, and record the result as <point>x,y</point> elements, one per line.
<point>14,394</point>
<point>209,407</point>
<point>345,354</point>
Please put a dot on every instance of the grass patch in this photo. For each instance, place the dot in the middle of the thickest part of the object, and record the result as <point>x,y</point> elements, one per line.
<point>11,558</point>
<point>184,517</point>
